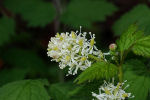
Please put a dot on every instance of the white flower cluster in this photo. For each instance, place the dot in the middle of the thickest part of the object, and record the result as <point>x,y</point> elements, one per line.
<point>73,50</point>
<point>110,92</point>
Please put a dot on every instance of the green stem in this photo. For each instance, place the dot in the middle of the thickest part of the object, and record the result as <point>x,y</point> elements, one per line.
<point>120,75</point>
<point>95,58</point>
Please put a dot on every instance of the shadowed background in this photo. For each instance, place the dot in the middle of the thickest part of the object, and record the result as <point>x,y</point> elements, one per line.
<point>27,25</point>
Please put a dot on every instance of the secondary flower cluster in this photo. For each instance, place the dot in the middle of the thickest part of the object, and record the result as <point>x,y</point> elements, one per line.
<point>108,91</point>
<point>73,50</point>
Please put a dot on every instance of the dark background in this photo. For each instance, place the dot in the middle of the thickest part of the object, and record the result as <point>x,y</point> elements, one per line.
<point>27,25</point>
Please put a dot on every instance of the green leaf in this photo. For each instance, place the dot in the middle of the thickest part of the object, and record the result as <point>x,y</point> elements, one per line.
<point>129,38</point>
<point>142,47</point>
<point>7,29</point>
<point>97,71</point>
<point>85,12</point>
<point>9,75</point>
<point>24,90</point>
<point>60,91</point>
<point>36,12</point>
<point>134,40</point>
<point>138,77</point>
<point>136,15</point>
<point>26,59</point>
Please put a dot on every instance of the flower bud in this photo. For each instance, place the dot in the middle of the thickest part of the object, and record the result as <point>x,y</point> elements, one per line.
<point>112,47</point>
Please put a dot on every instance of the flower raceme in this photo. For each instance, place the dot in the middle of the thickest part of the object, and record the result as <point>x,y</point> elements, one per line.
<point>73,50</point>
<point>108,91</point>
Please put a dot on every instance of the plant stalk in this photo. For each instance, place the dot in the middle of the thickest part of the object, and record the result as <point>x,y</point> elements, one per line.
<point>57,4</point>
<point>120,75</point>
<point>95,58</point>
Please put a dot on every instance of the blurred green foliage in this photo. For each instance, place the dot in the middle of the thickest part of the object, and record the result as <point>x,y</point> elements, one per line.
<point>137,75</point>
<point>36,12</point>
<point>10,75</point>
<point>60,91</point>
<point>7,29</point>
<point>86,12</point>
<point>140,15</point>
<point>24,34</point>
<point>25,59</point>
<point>70,91</point>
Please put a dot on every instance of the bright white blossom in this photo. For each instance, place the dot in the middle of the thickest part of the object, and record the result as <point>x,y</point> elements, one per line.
<point>108,91</point>
<point>72,50</point>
